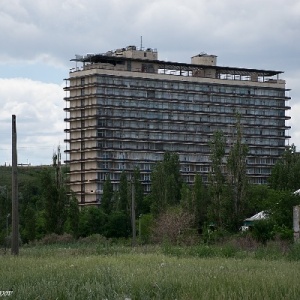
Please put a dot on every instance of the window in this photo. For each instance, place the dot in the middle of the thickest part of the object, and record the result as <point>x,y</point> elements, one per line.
<point>128,65</point>
<point>151,94</point>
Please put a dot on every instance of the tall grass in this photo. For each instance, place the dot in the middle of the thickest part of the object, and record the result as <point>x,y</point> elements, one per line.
<point>116,272</point>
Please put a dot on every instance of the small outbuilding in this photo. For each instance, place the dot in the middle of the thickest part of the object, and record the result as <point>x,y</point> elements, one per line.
<point>249,221</point>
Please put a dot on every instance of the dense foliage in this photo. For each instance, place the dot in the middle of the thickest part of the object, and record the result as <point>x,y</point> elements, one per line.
<point>169,212</point>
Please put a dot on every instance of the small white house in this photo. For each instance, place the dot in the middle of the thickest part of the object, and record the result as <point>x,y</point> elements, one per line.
<point>249,221</point>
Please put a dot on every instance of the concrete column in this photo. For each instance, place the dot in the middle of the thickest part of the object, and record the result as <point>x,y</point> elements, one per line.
<point>296,214</point>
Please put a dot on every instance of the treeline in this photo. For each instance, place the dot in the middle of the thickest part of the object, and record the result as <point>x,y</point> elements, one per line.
<point>173,210</point>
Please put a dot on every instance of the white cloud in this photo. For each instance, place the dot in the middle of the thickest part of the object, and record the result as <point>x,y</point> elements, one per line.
<point>249,33</point>
<point>38,108</point>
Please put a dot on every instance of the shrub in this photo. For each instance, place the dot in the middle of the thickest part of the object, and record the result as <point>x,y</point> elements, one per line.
<point>145,224</point>
<point>171,225</point>
<point>262,231</point>
<point>54,238</point>
<point>244,242</point>
<point>95,239</point>
<point>283,233</point>
<point>212,235</point>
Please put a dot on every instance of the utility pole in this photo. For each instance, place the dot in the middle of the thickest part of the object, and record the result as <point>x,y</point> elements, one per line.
<point>57,164</point>
<point>15,209</point>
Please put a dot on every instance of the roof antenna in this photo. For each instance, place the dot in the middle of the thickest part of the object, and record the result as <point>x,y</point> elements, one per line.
<point>141,42</point>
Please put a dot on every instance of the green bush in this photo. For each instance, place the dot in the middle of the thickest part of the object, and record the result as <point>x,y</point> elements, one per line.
<point>54,238</point>
<point>283,232</point>
<point>212,235</point>
<point>95,239</point>
<point>262,231</point>
<point>144,227</point>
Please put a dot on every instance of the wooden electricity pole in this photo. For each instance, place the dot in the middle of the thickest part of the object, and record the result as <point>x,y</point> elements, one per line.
<point>15,209</point>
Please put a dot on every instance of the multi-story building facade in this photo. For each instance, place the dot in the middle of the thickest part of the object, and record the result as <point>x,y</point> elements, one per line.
<point>126,108</point>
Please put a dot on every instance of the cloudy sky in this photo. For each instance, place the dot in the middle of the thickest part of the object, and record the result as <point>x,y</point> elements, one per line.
<point>38,39</point>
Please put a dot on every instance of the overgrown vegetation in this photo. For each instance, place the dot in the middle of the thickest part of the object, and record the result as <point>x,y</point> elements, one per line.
<point>174,212</point>
<point>100,269</point>
<point>190,245</point>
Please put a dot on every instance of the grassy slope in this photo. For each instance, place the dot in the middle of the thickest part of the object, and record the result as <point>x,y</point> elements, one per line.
<point>70,273</point>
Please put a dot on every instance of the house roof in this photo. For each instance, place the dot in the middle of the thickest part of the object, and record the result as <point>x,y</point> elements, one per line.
<point>259,216</point>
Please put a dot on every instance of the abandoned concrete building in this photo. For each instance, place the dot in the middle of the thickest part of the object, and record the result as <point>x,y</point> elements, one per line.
<point>125,109</point>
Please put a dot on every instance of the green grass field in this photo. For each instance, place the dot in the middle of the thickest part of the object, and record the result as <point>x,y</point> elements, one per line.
<point>88,272</point>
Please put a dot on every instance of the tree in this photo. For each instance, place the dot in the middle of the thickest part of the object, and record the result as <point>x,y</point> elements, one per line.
<point>166,183</point>
<point>173,226</point>
<point>187,199</point>
<point>158,189</point>
<point>285,174</point>
<point>123,193</point>
<point>73,216</point>
<point>237,178</point>
<point>138,191</point>
<point>92,220</point>
<point>117,225</point>
<point>257,196</point>
<point>217,179</point>
<point>55,203</point>
<point>29,229</point>
<point>200,201</point>
<point>107,197</point>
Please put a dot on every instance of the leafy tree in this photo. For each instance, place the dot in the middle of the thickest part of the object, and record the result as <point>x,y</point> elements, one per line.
<point>166,183</point>
<point>139,192</point>
<point>55,204</point>
<point>5,209</point>
<point>200,201</point>
<point>280,205</point>
<point>146,204</point>
<point>92,220</point>
<point>117,225</point>
<point>40,229</point>
<point>107,197</point>
<point>285,174</point>
<point>72,225</point>
<point>187,199</point>
<point>174,181</point>
<point>257,195</point>
<point>29,230</point>
<point>123,193</point>
<point>158,189</point>
<point>237,178</point>
<point>217,180</point>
